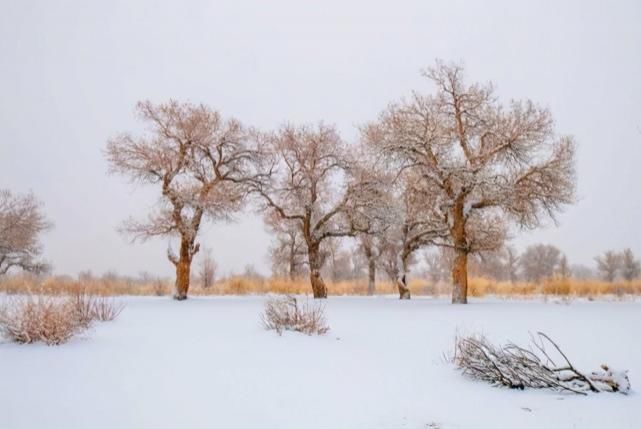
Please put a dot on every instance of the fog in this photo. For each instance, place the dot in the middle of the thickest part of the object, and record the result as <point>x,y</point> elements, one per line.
<point>71,72</point>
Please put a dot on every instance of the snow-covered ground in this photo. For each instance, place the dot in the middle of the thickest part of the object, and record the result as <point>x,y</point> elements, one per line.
<point>207,363</point>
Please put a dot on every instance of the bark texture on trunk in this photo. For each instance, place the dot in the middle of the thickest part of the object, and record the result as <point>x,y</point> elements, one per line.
<point>183,268</point>
<point>459,267</point>
<point>459,277</point>
<point>318,285</point>
<point>371,276</point>
<point>403,290</point>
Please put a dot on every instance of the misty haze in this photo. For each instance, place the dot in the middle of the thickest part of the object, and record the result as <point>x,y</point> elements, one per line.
<point>310,215</point>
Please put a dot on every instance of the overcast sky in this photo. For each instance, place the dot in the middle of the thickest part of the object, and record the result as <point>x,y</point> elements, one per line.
<point>71,72</point>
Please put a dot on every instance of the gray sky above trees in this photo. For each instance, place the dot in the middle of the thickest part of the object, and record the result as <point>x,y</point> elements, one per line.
<point>71,72</point>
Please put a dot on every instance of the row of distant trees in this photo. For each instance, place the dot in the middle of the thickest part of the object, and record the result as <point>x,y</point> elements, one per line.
<point>452,169</point>
<point>22,221</point>
<point>536,263</point>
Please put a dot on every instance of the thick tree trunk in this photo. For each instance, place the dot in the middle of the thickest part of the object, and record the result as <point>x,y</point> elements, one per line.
<point>183,269</point>
<point>459,277</point>
<point>371,276</point>
<point>318,285</point>
<point>459,267</point>
<point>403,290</point>
<point>401,283</point>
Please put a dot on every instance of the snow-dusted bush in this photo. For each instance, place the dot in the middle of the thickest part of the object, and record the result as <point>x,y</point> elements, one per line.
<point>106,309</point>
<point>82,305</point>
<point>47,319</point>
<point>89,307</point>
<point>519,368</point>
<point>287,314</point>
<point>53,319</point>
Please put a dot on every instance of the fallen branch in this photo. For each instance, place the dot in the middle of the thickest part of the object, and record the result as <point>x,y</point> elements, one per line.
<point>519,368</point>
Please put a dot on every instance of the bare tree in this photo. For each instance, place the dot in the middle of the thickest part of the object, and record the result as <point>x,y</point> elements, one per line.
<point>581,272</point>
<point>630,266</point>
<point>564,267</point>
<point>411,228</point>
<point>540,261</point>
<point>481,163</point>
<point>435,270</point>
<point>512,263</point>
<point>288,253</point>
<point>494,264</point>
<point>608,265</point>
<point>202,164</point>
<point>21,223</point>
<point>336,261</point>
<point>370,247</point>
<point>208,269</point>
<point>315,187</point>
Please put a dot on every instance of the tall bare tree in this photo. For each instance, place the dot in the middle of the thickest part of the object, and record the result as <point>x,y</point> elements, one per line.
<point>316,187</point>
<point>483,164</point>
<point>609,264</point>
<point>540,261</point>
<point>207,268</point>
<point>512,260</point>
<point>413,226</point>
<point>369,245</point>
<point>202,164</point>
<point>564,270</point>
<point>630,266</point>
<point>21,224</point>
<point>288,253</point>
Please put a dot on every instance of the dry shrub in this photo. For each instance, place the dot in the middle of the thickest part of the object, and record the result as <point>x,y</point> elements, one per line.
<point>106,309</point>
<point>89,307</point>
<point>160,288</point>
<point>54,319</point>
<point>83,307</point>
<point>47,319</point>
<point>285,313</point>
<point>519,368</point>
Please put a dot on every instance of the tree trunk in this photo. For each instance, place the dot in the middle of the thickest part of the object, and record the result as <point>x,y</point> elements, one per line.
<point>318,285</point>
<point>401,283</point>
<point>292,263</point>
<point>183,269</point>
<point>371,276</point>
<point>459,267</point>
<point>459,277</point>
<point>403,290</point>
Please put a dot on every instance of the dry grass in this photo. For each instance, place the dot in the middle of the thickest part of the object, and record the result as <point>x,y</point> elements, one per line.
<point>29,319</point>
<point>286,313</point>
<point>239,285</point>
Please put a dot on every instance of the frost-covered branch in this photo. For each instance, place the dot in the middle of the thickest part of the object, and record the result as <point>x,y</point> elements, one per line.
<point>519,368</point>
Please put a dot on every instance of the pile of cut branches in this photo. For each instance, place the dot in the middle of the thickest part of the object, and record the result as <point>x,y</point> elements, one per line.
<point>519,368</point>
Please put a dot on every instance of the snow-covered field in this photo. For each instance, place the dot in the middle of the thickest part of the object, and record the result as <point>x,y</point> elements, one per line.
<point>207,363</point>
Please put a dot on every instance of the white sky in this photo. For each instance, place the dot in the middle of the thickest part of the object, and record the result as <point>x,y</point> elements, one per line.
<point>71,72</point>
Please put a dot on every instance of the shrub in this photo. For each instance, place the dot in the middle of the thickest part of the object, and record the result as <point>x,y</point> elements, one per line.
<point>106,309</point>
<point>54,319</point>
<point>89,307</point>
<point>48,319</point>
<point>286,314</point>
<point>82,305</point>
